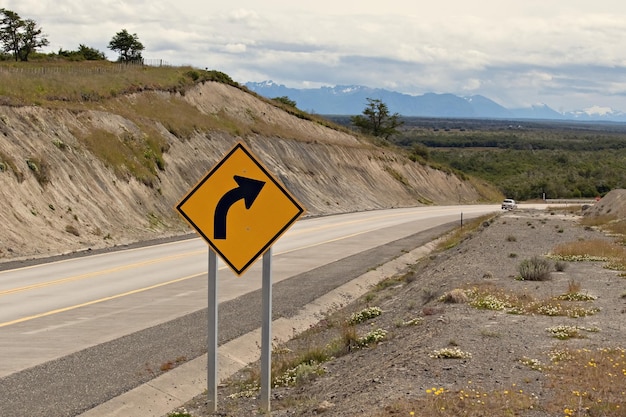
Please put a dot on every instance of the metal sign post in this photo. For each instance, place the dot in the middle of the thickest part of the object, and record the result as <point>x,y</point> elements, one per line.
<point>240,209</point>
<point>266,333</point>
<point>212,334</point>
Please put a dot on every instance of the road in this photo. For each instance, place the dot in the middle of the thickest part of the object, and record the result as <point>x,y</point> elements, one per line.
<point>89,318</point>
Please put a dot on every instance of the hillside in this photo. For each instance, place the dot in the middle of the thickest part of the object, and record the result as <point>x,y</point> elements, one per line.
<point>100,174</point>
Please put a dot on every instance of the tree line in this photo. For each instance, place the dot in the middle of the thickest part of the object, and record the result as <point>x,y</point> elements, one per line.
<point>20,38</point>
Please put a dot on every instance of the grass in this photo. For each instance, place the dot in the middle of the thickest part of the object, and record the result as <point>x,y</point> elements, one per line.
<point>592,250</point>
<point>596,387</point>
<point>130,91</point>
<point>490,297</point>
<point>460,234</point>
<point>470,401</point>
<point>62,83</point>
<point>582,382</point>
<point>397,176</point>
<point>291,367</point>
<point>598,382</point>
<point>567,209</point>
<point>127,156</point>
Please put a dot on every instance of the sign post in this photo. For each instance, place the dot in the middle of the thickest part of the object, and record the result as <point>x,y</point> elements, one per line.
<point>212,334</point>
<point>240,210</point>
<point>266,333</point>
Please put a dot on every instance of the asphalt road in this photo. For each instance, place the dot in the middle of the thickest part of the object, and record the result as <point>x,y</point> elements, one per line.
<point>78,332</point>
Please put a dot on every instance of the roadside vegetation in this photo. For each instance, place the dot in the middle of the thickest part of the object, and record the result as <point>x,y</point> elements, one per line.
<point>581,382</point>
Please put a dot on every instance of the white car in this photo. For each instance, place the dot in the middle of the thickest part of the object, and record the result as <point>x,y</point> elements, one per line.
<point>509,204</point>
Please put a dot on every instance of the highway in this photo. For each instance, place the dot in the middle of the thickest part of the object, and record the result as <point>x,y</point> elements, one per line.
<point>70,307</point>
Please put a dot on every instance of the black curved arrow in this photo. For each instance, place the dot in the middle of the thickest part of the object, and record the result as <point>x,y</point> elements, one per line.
<point>248,189</point>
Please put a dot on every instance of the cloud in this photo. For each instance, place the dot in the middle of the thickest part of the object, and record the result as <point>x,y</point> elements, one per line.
<point>249,17</point>
<point>236,48</point>
<point>513,52</point>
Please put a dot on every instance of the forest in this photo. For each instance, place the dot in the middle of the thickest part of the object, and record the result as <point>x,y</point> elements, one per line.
<point>524,159</point>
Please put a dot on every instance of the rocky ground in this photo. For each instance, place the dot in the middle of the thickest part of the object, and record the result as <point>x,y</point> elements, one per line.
<point>372,381</point>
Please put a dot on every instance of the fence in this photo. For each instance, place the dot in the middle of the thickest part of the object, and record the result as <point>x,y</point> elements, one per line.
<point>80,69</point>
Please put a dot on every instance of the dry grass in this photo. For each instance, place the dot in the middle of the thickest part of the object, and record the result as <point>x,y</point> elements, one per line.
<point>127,156</point>
<point>597,248</point>
<point>470,401</point>
<point>597,221</point>
<point>567,209</point>
<point>618,228</point>
<point>593,250</point>
<point>582,382</point>
<point>490,297</point>
<point>613,252</point>
<point>63,83</point>
<point>461,233</point>
<point>609,223</point>
<point>596,382</point>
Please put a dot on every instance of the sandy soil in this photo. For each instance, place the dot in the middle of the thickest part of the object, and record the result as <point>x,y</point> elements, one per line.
<point>366,381</point>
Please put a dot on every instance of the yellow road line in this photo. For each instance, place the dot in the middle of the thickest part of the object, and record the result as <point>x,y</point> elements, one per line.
<point>169,258</point>
<point>100,300</point>
<point>345,223</point>
<point>139,290</point>
<point>96,273</point>
<point>325,242</point>
<point>91,256</point>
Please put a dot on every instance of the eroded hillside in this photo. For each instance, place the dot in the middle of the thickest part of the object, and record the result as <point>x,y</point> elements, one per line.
<point>63,187</point>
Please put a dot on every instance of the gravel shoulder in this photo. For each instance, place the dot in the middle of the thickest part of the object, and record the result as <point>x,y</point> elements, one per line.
<point>370,380</point>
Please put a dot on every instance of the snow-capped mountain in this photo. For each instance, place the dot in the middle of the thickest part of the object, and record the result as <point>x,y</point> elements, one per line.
<point>351,99</point>
<point>598,113</point>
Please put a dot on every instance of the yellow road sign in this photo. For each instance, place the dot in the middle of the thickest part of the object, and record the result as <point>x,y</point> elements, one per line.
<point>239,208</point>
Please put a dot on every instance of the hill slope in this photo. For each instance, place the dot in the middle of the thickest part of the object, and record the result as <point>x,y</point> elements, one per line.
<point>91,175</point>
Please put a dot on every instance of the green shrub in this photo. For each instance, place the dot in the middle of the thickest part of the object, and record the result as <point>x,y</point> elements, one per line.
<point>71,229</point>
<point>535,269</point>
<point>285,100</point>
<point>40,169</point>
<point>364,315</point>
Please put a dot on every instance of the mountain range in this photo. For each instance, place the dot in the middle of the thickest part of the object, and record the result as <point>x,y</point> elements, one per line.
<point>352,99</point>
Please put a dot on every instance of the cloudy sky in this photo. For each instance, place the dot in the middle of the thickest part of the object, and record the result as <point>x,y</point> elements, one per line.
<point>568,54</point>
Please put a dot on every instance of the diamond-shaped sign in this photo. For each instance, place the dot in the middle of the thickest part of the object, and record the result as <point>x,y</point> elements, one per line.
<point>240,209</point>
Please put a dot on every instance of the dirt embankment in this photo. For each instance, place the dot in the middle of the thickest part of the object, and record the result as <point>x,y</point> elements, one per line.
<point>84,204</point>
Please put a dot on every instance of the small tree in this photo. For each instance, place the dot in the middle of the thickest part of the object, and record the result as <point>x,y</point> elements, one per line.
<point>91,54</point>
<point>127,45</point>
<point>376,119</point>
<point>285,100</point>
<point>20,37</point>
<point>83,53</point>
